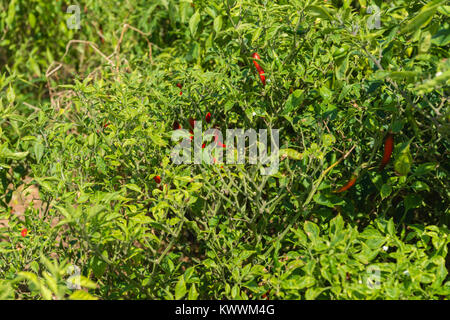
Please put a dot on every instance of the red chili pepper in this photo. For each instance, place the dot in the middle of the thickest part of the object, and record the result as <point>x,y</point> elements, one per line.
<point>157,179</point>
<point>101,34</point>
<point>179,85</point>
<point>176,125</point>
<point>347,186</point>
<point>24,232</point>
<point>262,77</point>
<point>258,67</point>
<point>203,145</point>
<point>388,147</point>
<point>208,117</point>
<point>192,123</point>
<point>219,143</point>
<point>256,57</point>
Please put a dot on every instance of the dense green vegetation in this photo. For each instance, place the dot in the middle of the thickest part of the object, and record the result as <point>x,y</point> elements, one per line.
<point>86,117</point>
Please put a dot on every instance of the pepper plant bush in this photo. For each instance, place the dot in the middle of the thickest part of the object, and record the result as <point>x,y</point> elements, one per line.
<point>89,123</point>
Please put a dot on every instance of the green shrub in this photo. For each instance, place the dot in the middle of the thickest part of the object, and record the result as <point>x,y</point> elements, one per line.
<point>336,84</point>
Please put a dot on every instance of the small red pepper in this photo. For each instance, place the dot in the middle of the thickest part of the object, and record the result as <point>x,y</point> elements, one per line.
<point>348,185</point>
<point>24,232</point>
<point>101,34</point>
<point>219,143</point>
<point>208,117</point>
<point>176,125</point>
<point>157,179</point>
<point>258,67</point>
<point>192,123</point>
<point>388,147</point>
<point>179,85</point>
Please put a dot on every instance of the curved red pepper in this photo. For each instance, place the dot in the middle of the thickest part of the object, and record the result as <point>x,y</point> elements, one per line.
<point>219,143</point>
<point>176,125</point>
<point>192,123</point>
<point>348,185</point>
<point>388,147</point>
<point>208,117</point>
<point>258,67</point>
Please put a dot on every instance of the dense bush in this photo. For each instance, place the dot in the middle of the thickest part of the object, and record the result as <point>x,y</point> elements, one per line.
<point>89,124</point>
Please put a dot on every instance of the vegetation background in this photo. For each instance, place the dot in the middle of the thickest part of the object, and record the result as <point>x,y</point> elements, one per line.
<point>86,117</point>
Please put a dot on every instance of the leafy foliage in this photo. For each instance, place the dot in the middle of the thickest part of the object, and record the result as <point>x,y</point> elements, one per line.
<point>87,116</point>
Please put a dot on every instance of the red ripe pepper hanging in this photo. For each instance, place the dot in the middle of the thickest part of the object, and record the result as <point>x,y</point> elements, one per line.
<point>179,85</point>
<point>348,185</point>
<point>176,125</point>
<point>219,143</point>
<point>192,123</point>
<point>388,147</point>
<point>208,117</point>
<point>258,67</point>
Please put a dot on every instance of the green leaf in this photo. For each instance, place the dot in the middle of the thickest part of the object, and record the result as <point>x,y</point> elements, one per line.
<point>445,10</point>
<point>341,69</point>
<point>38,151</point>
<point>193,22</point>
<point>32,20</point>
<point>298,283</point>
<point>291,154</point>
<point>328,140</point>
<point>329,200</point>
<point>311,230</point>
<point>234,292</point>
<point>422,18</point>
<point>425,42</point>
<point>193,294</point>
<point>218,24</point>
<point>402,164</point>
<point>412,201</point>
<point>425,168</point>
<point>46,185</point>
<point>320,11</point>
<point>293,102</point>
<point>81,295</point>
<point>313,293</point>
<point>326,93</point>
<point>99,267</point>
<point>10,95</point>
<point>133,187</point>
<point>441,38</point>
<point>11,12</point>
<point>5,153</point>
<point>385,191</point>
<point>403,75</point>
<point>180,288</point>
<point>87,283</point>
